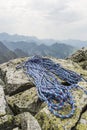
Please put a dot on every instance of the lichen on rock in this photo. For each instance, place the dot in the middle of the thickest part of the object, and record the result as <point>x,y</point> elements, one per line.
<point>25,101</point>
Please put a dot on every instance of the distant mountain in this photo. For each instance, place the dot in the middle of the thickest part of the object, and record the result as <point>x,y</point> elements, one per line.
<point>23,46</point>
<point>58,50</point>
<point>42,50</point>
<point>5,53</point>
<point>76,43</point>
<point>6,38</point>
<point>28,49</point>
<point>20,53</point>
<point>55,50</point>
<point>61,50</point>
<point>49,42</point>
<point>15,38</point>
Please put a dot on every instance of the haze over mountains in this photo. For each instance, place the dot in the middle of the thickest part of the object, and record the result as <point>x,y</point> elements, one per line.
<point>30,39</point>
<point>13,46</point>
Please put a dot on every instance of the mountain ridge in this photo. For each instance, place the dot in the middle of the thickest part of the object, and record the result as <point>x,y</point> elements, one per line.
<point>6,54</point>
<point>25,49</point>
<point>6,37</point>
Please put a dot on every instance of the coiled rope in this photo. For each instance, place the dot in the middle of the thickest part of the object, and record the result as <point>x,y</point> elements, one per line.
<point>50,90</point>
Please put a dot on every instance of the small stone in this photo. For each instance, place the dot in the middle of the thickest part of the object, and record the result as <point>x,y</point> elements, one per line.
<point>6,122</point>
<point>27,121</point>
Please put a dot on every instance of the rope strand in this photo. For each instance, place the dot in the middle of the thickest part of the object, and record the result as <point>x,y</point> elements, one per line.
<point>50,90</point>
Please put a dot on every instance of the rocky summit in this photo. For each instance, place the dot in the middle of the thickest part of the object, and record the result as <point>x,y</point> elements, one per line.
<point>21,109</point>
<point>80,57</point>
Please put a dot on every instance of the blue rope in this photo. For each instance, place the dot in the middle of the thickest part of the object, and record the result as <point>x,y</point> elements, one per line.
<point>50,90</point>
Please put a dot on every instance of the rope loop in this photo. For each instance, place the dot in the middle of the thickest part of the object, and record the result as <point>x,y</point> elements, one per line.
<point>44,72</point>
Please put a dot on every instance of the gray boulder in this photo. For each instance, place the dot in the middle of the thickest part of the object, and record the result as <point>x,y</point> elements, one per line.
<point>27,122</point>
<point>15,80</point>
<point>80,57</point>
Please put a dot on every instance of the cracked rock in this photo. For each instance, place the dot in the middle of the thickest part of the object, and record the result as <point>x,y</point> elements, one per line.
<point>27,122</point>
<point>25,101</point>
<point>15,80</point>
<point>82,125</point>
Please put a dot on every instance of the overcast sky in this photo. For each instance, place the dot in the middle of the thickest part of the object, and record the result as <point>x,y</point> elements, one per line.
<point>58,19</point>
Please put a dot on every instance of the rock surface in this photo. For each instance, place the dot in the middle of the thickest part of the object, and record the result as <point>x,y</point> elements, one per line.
<point>2,83</point>
<point>27,121</point>
<point>82,124</point>
<point>6,122</point>
<point>2,102</point>
<point>21,97</point>
<point>15,80</point>
<point>6,119</point>
<point>80,57</point>
<point>25,101</point>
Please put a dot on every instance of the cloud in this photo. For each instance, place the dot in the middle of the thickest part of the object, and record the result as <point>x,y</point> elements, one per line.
<point>60,19</point>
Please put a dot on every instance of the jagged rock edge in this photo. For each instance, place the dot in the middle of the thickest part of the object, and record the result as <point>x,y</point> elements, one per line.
<point>4,79</point>
<point>84,109</point>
